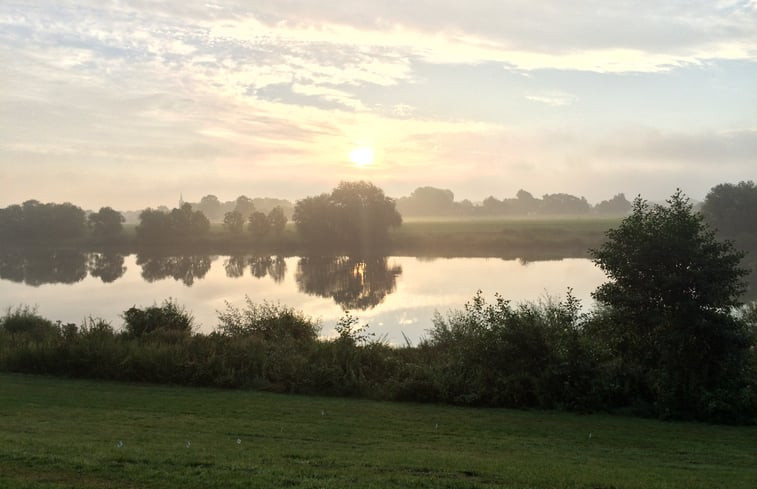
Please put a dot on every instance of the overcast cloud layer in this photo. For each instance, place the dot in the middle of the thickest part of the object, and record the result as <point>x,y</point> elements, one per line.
<point>129,103</point>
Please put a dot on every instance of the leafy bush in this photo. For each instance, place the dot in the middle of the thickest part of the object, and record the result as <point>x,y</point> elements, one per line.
<point>267,320</point>
<point>25,321</point>
<point>169,320</point>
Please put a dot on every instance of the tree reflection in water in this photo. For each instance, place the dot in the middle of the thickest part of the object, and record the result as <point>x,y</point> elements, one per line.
<point>108,267</point>
<point>43,266</point>
<point>353,283</point>
<point>260,266</point>
<point>183,268</point>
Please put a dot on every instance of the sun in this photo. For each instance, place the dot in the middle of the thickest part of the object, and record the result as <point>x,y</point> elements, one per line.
<point>362,156</point>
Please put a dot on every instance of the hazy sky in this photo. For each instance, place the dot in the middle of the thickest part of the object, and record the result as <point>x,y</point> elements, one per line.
<point>129,103</point>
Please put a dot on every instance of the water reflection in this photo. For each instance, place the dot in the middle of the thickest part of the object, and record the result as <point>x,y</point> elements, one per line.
<point>42,266</point>
<point>108,267</point>
<point>353,283</point>
<point>186,269</point>
<point>260,266</point>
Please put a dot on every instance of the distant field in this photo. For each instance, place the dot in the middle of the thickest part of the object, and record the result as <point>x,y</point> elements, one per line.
<point>63,433</point>
<point>511,237</point>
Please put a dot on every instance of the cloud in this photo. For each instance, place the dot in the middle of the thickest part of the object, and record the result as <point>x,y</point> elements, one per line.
<point>554,99</point>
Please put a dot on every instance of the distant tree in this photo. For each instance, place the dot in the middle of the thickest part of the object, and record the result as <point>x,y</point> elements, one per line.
<point>428,201</point>
<point>154,226</point>
<point>315,218</point>
<point>564,204</point>
<point>105,223</point>
<point>668,307</point>
<point>258,225</point>
<point>617,206</point>
<point>355,213</point>
<point>210,206</point>
<point>277,220</point>
<point>35,220</point>
<point>244,206</point>
<point>732,209</point>
<point>526,203</point>
<point>491,206</point>
<point>233,222</point>
<point>180,224</point>
<point>186,223</point>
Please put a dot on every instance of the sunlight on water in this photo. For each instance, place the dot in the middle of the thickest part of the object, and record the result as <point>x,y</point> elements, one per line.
<point>395,295</point>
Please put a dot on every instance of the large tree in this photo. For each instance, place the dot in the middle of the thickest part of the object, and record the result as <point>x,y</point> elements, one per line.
<point>732,209</point>
<point>105,223</point>
<point>668,309</point>
<point>355,213</point>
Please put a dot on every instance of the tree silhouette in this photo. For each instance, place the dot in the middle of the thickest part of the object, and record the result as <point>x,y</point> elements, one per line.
<point>105,223</point>
<point>669,299</point>
<point>355,213</point>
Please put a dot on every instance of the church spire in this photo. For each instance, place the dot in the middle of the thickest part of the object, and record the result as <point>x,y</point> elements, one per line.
<point>181,200</point>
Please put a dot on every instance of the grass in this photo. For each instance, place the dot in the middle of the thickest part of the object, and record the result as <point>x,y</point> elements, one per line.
<point>64,433</point>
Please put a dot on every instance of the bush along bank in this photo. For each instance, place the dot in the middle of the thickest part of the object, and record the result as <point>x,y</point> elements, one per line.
<point>544,355</point>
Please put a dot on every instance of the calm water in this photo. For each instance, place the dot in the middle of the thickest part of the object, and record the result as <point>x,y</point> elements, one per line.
<point>394,295</point>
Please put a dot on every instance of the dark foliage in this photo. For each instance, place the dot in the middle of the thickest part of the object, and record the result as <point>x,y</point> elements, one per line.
<point>105,223</point>
<point>668,319</point>
<point>35,220</point>
<point>732,209</point>
<point>168,318</point>
<point>177,226</point>
<point>354,214</point>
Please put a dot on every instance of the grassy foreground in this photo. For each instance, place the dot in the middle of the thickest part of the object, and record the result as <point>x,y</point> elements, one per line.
<point>63,433</point>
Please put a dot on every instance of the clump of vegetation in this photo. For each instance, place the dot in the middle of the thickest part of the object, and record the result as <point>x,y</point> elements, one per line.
<point>353,214</point>
<point>169,318</point>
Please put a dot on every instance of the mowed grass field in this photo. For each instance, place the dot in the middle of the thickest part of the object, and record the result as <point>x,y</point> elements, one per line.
<point>65,433</point>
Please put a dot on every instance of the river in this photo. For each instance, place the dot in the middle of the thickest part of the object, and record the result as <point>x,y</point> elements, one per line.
<point>396,296</point>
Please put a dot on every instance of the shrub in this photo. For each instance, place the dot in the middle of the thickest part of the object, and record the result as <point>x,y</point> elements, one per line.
<point>169,320</point>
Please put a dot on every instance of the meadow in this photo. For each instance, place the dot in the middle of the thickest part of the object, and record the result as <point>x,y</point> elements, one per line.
<point>58,433</point>
<point>470,237</point>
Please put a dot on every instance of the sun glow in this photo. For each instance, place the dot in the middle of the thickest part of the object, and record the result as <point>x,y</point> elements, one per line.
<point>362,156</point>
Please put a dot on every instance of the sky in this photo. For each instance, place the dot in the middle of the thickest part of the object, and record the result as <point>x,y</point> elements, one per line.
<point>134,103</point>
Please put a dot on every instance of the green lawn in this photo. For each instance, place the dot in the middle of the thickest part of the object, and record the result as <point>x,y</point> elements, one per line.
<point>64,433</point>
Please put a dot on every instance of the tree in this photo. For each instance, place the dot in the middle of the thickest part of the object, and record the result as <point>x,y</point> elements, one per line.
<point>180,224</point>
<point>564,204</point>
<point>428,201</point>
<point>105,223</point>
<point>618,205</point>
<point>244,206</point>
<point>233,222</point>
<point>669,302</point>
<point>355,213</point>
<point>732,209</point>
<point>258,225</point>
<point>211,207</point>
<point>277,220</point>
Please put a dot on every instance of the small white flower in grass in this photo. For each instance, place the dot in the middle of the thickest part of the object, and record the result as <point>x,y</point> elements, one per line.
<point>120,444</point>
<point>436,426</point>
<point>239,441</point>
<point>188,444</point>
<point>589,435</point>
<point>323,413</point>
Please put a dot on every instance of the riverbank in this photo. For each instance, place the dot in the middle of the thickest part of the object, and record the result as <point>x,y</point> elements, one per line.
<point>529,239</point>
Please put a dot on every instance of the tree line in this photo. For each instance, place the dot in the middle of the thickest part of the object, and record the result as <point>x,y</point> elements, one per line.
<point>670,339</point>
<point>354,214</point>
<point>436,202</point>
